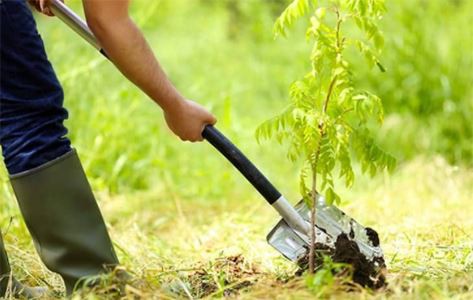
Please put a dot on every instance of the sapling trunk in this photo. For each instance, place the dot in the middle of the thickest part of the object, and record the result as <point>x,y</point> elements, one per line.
<point>313,220</point>
<point>313,209</point>
<point>312,265</point>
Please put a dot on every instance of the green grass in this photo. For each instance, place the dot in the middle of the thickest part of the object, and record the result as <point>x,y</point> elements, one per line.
<point>173,208</point>
<point>422,213</point>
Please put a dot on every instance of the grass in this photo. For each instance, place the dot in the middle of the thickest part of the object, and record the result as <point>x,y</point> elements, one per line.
<point>177,210</point>
<point>422,213</point>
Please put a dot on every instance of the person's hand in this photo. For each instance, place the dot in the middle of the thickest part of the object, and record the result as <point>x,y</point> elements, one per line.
<point>42,6</point>
<point>187,120</point>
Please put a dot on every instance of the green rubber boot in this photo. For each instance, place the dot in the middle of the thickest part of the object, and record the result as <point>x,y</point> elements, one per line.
<point>64,220</point>
<point>9,284</point>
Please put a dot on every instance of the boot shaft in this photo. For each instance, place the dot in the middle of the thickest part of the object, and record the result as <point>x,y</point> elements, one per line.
<point>64,219</point>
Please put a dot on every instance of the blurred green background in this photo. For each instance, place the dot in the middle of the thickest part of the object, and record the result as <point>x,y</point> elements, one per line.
<point>223,55</point>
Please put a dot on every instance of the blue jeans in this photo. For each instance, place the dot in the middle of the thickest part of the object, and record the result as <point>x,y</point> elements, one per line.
<point>31,98</point>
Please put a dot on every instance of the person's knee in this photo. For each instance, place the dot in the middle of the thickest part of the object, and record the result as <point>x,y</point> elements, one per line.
<point>31,136</point>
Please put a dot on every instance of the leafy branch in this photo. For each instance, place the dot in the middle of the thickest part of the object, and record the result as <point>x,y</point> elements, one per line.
<point>327,122</point>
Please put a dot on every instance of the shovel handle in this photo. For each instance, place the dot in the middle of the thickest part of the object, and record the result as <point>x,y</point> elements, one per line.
<point>242,163</point>
<point>71,19</point>
<point>210,133</point>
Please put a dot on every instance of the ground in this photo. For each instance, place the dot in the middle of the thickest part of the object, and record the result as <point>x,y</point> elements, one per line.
<point>173,244</point>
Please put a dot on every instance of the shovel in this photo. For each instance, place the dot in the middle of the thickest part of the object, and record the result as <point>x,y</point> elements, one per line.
<point>291,234</point>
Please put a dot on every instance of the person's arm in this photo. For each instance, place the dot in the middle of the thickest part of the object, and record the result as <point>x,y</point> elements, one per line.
<point>127,48</point>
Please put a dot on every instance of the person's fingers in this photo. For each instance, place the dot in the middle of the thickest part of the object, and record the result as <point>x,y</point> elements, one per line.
<point>213,119</point>
<point>35,4</point>
<point>41,5</point>
<point>210,119</point>
<point>189,121</point>
<point>47,11</point>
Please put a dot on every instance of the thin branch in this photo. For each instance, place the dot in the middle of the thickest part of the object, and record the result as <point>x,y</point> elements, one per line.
<point>338,47</point>
<point>317,154</point>
<point>329,93</point>
<point>313,209</point>
<point>337,33</point>
<point>343,113</point>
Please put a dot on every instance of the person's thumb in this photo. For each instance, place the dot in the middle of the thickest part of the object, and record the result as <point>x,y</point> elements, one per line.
<point>210,119</point>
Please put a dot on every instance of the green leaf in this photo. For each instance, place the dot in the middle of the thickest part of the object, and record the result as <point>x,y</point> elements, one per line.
<point>331,197</point>
<point>295,10</point>
<point>326,141</point>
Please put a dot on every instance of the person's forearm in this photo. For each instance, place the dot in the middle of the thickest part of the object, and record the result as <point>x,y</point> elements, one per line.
<point>125,45</point>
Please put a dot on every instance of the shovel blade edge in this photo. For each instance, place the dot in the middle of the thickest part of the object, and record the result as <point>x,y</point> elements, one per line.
<point>330,223</point>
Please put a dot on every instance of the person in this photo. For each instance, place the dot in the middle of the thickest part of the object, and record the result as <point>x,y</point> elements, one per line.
<point>49,183</point>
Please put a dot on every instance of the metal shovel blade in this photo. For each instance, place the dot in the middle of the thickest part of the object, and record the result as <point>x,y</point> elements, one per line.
<point>331,222</point>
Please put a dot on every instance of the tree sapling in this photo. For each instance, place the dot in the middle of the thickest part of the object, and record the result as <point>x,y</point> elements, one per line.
<point>327,122</point>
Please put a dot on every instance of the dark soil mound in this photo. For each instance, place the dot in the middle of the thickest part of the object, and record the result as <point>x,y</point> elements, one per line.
<point>367,273</point>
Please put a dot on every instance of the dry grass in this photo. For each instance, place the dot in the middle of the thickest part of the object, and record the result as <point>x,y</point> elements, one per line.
<point>422,212</point>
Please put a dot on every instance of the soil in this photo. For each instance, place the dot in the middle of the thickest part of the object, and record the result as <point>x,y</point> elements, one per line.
<point>364,272</point>
<point>228,276</point>
<point>233,274</point>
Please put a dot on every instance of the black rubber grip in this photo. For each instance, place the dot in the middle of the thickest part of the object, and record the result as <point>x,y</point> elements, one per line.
<point>103,53</point>
<point>242,163</point>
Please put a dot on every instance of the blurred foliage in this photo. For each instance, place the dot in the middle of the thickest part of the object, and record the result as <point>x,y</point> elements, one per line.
<point>222,54</point>
<point>428,87</point>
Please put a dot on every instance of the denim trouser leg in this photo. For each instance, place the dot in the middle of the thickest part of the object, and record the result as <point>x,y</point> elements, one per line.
<point>31,98</point>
